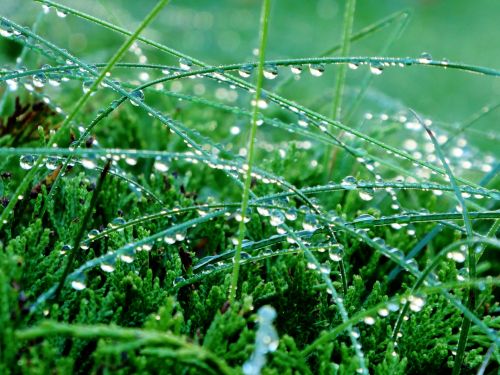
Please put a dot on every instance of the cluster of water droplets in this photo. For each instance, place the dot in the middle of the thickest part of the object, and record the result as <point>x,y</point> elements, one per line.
<point>279,212</point>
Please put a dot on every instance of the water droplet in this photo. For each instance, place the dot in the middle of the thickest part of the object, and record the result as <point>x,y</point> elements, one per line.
<point>270,71</point>
<point>73,146</point>
<point>61,13</point>
<point>383,312</point>
<point>425,58</point>
<point>336,252</point>
<point>127,258</point>
<point>393,306</point>
<point>147,247</point>
<point>291,214</point>
<point>376,68</point>
<point>416,303</point>
<point>303,121</point>
<point>87,85</point>
<point>457,256</point>
<point>353,65</point>
<point>51,163</point>
<point>311,265</point>
<point>13,84</point>
<point>180,234</point>
<point>316,70</point>
<point>65,249</point>
<point>169,239</point>
<point>178,280</point>
<point>349,183</point>
<point>138,95</point>
<point>325,269</point>
<point>116,222</point>
<point>78,285</point>
<point>369,320</point>
<point>131,161</point>
<point>245,256</point>
<point>108,266</point>
<point>310,223</point>
<point>366,194</point>
<point>93,233</point>
<point>209,268</point>
<point>245,71</point>
<point>39,80</point>
<point>88,163</point>
<point>261,103</point>
<point>263,211</point>
<point>235,130</point>
<point>411,230</point>
<point>27,161</point>
<point>185,64</point>
<point>296,69</point>
<point>364,217</point>
<point>5,29</point>
<point>277,217</point>
<point>239,217</point>
<point>160,166</point>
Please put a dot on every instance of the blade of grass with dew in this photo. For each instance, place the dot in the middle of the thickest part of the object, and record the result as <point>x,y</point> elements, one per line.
<point>264,21</point>
<point>344,51</point>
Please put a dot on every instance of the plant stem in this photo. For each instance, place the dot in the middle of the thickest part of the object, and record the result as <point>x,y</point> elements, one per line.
<point>264,18</point>
<point>344,51</point>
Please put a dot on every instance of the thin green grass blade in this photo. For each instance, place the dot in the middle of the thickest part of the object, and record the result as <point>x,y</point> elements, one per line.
<point>264,21</point>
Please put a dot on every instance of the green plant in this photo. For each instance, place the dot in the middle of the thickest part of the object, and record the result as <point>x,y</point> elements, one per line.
<point>148,229</point>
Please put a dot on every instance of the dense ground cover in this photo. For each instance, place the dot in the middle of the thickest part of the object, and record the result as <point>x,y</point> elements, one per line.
<point>183,192</point>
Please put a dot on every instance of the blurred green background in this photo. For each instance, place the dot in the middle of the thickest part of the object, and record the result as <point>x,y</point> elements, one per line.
<point>226,32</point>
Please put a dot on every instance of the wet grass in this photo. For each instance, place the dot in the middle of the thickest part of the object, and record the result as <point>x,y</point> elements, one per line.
<point>176,216</point>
